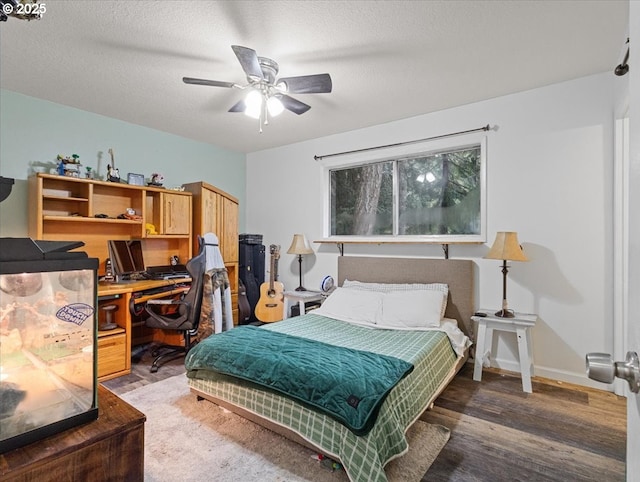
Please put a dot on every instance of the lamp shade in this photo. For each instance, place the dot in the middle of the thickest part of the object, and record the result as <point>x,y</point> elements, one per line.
<point>299,245</point>
<point>506,247</point>
<point>253,104</point>
<point>275,106</point>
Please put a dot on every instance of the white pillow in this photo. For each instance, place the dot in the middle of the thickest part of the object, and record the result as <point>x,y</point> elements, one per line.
<point>389,287</point>
<point>412,309</point>
<point>356,306</point>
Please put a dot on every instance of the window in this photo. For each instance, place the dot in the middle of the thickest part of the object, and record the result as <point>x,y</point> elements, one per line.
<point>362,200</point>
<point>425,195</point>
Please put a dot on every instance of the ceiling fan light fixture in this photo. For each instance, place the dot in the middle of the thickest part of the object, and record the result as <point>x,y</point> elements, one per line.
<point>275,106</point>
<point>267,95</point>
<point>253,104</point>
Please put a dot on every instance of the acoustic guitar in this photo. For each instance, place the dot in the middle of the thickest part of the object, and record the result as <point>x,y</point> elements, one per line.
<point>271,303</point>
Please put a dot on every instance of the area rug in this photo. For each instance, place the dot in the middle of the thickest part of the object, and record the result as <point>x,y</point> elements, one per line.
<point>187,440</point>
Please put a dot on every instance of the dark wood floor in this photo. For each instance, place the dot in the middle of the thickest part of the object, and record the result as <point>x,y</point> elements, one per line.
<point>140,374</point>
<point>560,432</point>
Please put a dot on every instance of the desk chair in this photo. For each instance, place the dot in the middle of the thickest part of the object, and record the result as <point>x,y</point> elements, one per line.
<point>181,315</point>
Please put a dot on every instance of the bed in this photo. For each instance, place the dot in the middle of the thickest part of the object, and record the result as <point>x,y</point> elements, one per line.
<point>430,352</point>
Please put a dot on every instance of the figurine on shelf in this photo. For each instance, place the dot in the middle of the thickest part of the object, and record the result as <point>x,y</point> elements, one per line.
<point>156,179</point>
<point>69,166</point>
<point>109,277</point>
<point>113,174</point>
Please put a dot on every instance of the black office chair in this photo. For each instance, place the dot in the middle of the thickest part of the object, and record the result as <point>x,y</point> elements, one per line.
<point>181,315</point>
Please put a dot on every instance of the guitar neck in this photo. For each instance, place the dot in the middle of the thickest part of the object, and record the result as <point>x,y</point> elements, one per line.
<point>273,275</point>
<point>274,271</point>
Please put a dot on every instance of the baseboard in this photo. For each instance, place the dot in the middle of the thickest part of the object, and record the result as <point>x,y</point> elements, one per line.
<point>554,374</point>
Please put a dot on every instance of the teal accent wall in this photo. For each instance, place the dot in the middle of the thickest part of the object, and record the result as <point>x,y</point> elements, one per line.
<point>33,132</point>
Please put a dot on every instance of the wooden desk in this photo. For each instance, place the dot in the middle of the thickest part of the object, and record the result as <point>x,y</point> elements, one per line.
<point>110,448</point>
<point>105,289</point>
<point>114,346</point>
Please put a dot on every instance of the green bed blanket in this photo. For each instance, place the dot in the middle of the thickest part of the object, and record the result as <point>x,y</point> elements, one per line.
<point>347,384</point>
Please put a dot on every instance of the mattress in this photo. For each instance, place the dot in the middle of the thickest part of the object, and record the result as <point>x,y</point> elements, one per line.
<point>363,457</point>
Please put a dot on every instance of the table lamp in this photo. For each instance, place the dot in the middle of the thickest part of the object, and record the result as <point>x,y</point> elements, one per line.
<point>506,248</point>
<point>300,246</point>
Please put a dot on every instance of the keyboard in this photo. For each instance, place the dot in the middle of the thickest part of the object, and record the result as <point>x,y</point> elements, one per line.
<point>171,275</point>
<point>174,275</point>
<point>167,272</point>
<point>154,291</point>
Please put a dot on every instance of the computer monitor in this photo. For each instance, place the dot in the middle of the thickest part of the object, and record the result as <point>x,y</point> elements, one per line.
<point>127,259</point>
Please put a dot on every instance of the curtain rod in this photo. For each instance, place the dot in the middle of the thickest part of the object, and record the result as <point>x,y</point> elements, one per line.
<point>485,128</point>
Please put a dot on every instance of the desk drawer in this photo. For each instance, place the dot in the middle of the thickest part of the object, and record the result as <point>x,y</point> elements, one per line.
<point>112,354</point>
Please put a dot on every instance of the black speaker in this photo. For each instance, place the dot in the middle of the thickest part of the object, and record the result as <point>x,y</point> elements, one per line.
<point>252,259</point>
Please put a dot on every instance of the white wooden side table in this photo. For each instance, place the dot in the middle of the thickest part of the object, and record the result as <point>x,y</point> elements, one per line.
<point>520,324</point>
<point>300,297</point>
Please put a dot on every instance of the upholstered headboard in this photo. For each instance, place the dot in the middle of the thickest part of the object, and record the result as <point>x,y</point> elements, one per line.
<point>457,273</point>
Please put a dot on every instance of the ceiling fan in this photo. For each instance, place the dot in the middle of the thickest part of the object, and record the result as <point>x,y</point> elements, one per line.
<point>268,95</point>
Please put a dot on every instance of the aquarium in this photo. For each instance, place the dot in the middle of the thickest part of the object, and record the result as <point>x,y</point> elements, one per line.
<point>48,348</point>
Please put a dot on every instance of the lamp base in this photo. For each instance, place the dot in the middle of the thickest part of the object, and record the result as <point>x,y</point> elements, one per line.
<point>301,288</point>
<point>505,314</point>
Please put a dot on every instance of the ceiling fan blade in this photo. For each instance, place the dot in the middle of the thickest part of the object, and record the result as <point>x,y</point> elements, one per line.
<point>308,84</point>
<point>293,105</point>
<point>249,62</point>
<point>211,83</point>
<point>238,106</point>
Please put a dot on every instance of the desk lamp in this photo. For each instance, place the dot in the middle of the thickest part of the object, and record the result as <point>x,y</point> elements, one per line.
<point>506,248</point>
<point>300,246</point>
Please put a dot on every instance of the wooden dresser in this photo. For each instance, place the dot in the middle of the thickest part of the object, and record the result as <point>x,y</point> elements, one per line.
<point>215,211</point>
<point>110,448</point>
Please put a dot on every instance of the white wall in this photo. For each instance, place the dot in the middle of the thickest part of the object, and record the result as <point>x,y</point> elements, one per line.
<point>549,178</point>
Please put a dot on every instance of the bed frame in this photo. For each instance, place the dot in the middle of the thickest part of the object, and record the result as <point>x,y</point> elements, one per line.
<point>458,274</point>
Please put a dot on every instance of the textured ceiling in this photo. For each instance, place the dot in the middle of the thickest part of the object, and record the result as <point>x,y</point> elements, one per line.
<point>388,60</point>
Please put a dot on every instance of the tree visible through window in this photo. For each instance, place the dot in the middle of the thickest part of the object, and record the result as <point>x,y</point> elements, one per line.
<point>421,195</point>
<point>362,200</point>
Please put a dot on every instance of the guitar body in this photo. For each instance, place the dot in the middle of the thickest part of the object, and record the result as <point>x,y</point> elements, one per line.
<point>270,305</point>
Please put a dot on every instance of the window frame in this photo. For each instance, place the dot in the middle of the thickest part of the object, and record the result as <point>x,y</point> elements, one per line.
<point>422,148</point>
